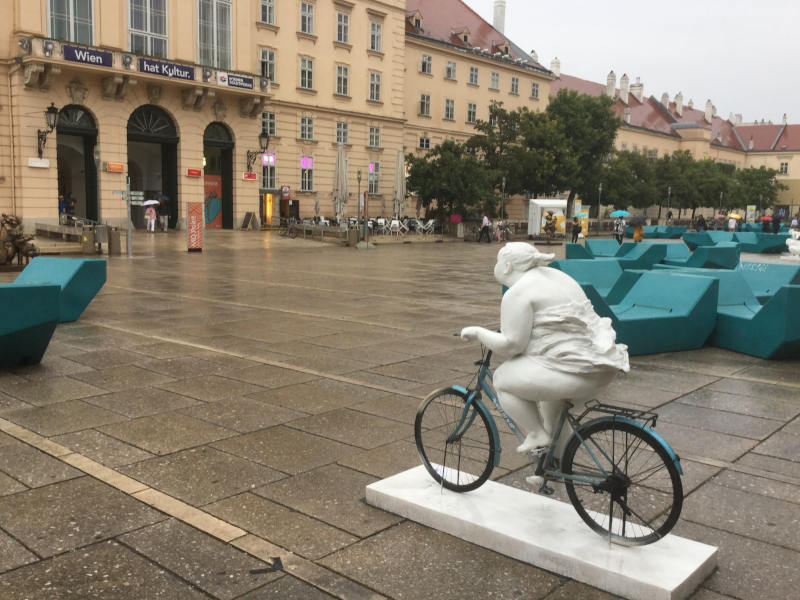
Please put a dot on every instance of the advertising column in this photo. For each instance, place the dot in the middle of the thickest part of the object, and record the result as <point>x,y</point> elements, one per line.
<point>194,226</point>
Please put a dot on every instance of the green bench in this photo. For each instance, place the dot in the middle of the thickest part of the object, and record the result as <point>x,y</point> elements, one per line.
<point>761,243</point>
<point>765,279</point>
<point>79,279</point>
<point>602,248</point>
<point>600,273</point>
<point>28,318</point>
<point>724,255</point>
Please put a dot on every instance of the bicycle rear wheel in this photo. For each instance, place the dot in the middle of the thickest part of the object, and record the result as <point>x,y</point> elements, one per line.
<point>454,441</point>
<point>635,495</point>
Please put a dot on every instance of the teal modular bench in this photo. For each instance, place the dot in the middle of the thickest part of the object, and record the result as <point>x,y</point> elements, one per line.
<point>721,236</point>
<point>650,231</point>
<point>600,273</point>
<point>693,239</point>
<point>79,279</point>
<point>642,255</point>
<point>766,243</point>
<point>28,318</point>
<point>660,312</point>
<point>602,248</point>
<point>765,279</point>
<point>669,232</point>
<point>576,251</point>
<point>724,255</point>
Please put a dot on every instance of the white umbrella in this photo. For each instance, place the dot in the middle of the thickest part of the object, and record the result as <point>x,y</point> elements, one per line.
<point>149,202</point>
<point>399,193</point>
<point>340,183</point>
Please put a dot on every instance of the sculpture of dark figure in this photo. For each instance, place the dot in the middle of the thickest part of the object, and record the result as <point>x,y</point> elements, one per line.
<point>14,242</point>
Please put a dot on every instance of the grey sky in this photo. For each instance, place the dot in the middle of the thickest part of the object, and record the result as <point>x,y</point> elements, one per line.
<point>741,54</point>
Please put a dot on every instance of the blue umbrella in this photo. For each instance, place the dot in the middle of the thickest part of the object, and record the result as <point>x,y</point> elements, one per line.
<point>620,213</point>
<point>581,215</point>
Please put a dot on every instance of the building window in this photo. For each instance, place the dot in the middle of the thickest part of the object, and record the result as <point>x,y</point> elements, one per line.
<point>268,63</point>
<point>148,27</point>
<point>449,109</point>
<point>424,143</point>
<point>71,20</point>
<point>268,123</point>
<point>306,73</point>
<point>495,83</point>
<point>784,169</point>
<point>472,112</point>
<point>375,87</point>
<point>375,34</point>
<point>450,70</point>
<point>214,26</point>
<point>342,133</point>
<point>268,12</point>
<point>426,66</point>
<point>425,105</point>
<point>306,128</point>
<point>515,85</point>
<point>268,177</point>
<point>473,75</point>
<point>375,137</point>
<point>535,90</point>
<point>492,118</point>
<point>624,147</point>
<point>307,18</point>
<point>342,80</point>
<point>374,178</point>
<point>342,27</point>
<point>306,174</point>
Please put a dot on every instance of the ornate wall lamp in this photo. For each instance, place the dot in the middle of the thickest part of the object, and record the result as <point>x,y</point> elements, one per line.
<point>263,142</point>
<point>51,116</point>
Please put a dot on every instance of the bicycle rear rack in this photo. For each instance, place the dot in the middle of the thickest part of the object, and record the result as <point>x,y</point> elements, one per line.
<point>645,416</point>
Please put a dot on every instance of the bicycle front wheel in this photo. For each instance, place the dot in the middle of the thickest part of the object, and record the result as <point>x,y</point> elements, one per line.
<point>626,485</point>
<point>454,440</point>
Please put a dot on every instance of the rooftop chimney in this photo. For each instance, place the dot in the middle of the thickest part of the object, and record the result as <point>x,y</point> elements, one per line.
<point>555,67</point>
<point>611,84</point>
<point>690,104</point>
<point>665,100</point>
<point>534,55</point>
<point>679,104</point>
<point>709,111</point>
<point>713,110</point>
<point>783,120</point>
<point>738,120</point>
<point>750,145</point>
<point>500,15</point>
<point>626,115</point>
<point>623,88</point>
<point>637,90</point>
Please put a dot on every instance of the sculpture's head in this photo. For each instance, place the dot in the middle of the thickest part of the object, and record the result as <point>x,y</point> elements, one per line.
<point>515,258</point>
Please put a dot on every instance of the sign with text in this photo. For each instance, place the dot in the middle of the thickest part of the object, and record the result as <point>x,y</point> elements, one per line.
<point>115,167</point>
<point>194,172</point>
<point>286,192</point>
<point>235,81</point>
<point>250,176</point>
<point>88,56</point>
<point>194,226</point>
<point>165,69</point>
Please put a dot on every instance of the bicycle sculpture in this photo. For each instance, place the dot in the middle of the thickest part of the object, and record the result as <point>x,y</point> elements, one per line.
<point>622,478</point>
<point>14,242</point>
<point>549,226</point>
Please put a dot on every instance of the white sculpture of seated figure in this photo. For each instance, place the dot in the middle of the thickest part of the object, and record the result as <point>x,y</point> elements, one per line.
<point>558,348</point>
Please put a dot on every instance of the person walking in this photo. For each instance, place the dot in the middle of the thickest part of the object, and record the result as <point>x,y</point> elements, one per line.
<point>150,215</point>
<point>163,211</point>
<point>485,230</point>
<point>576,229</point>
<point>701,223</point>
<point>619,230</point>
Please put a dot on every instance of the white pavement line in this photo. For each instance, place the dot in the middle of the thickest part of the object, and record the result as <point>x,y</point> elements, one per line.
<point>331,582</point>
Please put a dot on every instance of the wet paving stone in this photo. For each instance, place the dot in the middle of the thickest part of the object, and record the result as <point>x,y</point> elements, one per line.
<point>142,402</point>
<point>287,588</point>
<point>781,445</point>
<point>102,448</point>
<point>354,428</point>
<point>289,529</point>
<point>103,359</point>
<point>758,485</point>
<point>164,434</point>
<point>761,391</point>
<point>395,407</point>
<point>666,379</point>
<point>771,464</point>
<point>115,379</point>
<point>71,514</point>
<point>9,485</point>
<point>201,475</point>
<point>334,495</point>
<point>706,419</point>
<point>104,570</point>
<point>384,461</point>
<point>13,554</point>
<point>765,405</point>
<point>64,417</point>
<point>8,404</point>
<point>694,442</point>
<point>32,467</point>
<point>285,449</point>
<point>211,388</point>
<point>269,376</point>
<point>305,398</point>
<point>50,367</point>
<point>51,391</point>
<point>243,414</point>
<point>571,590</point>
<point>182,367</point>
<point>211,565</point>
<point>437,567</point>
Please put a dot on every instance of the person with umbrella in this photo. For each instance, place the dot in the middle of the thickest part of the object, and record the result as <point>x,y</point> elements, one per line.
<point>163,211</point>
<point>700,224</point>
<point>619,224</point>
<point>150,217</point>
<point>638,227</point>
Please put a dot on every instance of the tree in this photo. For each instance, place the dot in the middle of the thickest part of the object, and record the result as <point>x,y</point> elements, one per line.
<point>758,186</point>
<point>452,177</point>
<point>630,180</point>
<point>589,128</point>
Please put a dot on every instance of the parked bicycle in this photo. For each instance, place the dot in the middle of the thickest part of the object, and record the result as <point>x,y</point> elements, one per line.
<point>622,478</point>
<point>292,228</point>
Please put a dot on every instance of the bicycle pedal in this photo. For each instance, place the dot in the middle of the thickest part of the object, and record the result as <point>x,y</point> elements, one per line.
<point>546,490</point>
<point>537,452</point>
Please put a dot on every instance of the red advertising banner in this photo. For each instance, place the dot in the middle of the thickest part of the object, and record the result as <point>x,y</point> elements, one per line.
<point>250,176</point>
<point>212,187</point>
<point>194,172</point>
<point>194,226</point>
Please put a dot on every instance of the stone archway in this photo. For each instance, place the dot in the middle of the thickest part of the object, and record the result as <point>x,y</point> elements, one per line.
<point>76,138</point>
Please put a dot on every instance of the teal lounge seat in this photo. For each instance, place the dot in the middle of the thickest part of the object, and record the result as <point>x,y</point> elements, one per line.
<point>766,243</point>
<point>721,236</point>
<point>765,279</point>
<point>606,248</point>
<point>600,273</point>
<point>642,255</point>
<point>674,232</point>
<point>576,251</point>
<point>650,231</point>
<point>79,278</point>
<point>28,318</point>
<point>693,239</point>
<point>724,255</point>
<point>661,312</point>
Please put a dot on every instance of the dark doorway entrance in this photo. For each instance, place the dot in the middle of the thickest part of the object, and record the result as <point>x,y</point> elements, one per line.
<point>218,183</point>
<point>153,159</point>
<point>76,133</point>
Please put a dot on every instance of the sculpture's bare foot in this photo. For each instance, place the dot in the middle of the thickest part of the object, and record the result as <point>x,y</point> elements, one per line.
<point>534,440</point>
<point>535,480</point>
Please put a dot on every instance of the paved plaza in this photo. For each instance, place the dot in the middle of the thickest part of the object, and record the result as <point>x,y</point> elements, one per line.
<point>212,411</point>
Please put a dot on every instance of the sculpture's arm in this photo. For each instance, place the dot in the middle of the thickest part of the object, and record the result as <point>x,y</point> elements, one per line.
<point>516,323</point>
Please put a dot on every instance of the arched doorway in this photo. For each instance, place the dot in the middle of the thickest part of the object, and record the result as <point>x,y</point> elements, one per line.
<point>153,159</point>
<point>76,136</point>
<point>218,184</point>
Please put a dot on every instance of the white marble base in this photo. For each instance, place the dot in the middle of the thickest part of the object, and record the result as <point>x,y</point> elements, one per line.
<point>549,534</point>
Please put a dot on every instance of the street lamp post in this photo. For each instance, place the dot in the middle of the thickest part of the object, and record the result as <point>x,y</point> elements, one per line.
<point>503,199</point>
<point>599,197</point>
<point>358,197</point>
